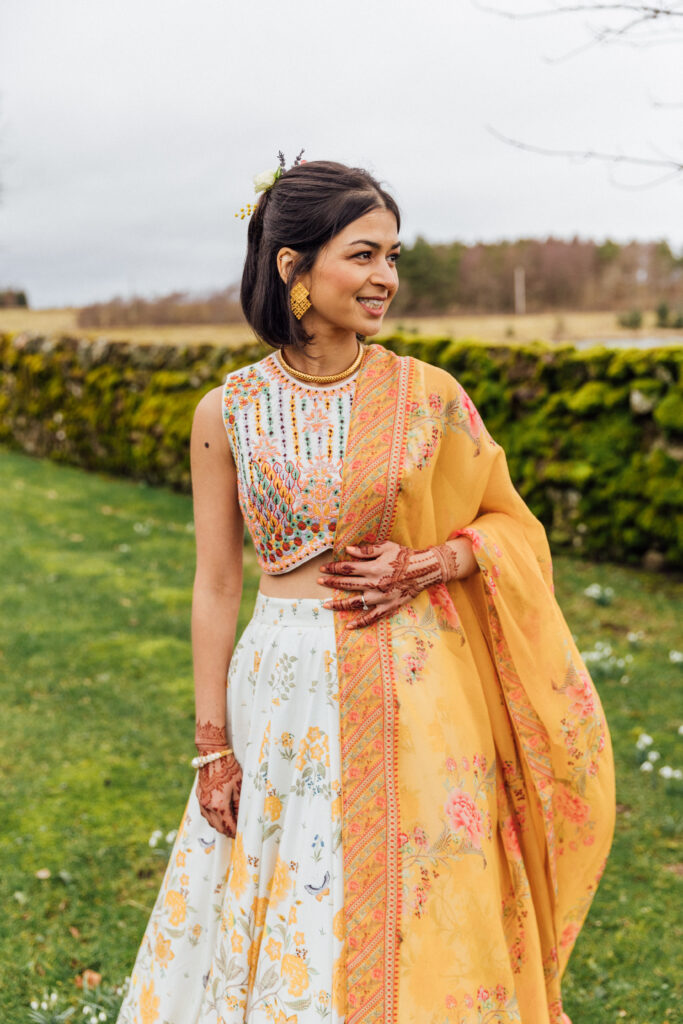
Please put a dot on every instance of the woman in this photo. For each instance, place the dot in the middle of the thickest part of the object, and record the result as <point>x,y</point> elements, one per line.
<point>405,804</point>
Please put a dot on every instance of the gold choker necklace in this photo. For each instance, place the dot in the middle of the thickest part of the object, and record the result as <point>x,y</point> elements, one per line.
<point>311,378</point>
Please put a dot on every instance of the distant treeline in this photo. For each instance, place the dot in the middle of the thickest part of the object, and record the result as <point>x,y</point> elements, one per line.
<point>459,278</point>
<point>220,307</point>
<point>12,297</point>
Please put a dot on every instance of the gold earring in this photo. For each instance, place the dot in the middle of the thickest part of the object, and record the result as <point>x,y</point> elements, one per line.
<point>299,300</point>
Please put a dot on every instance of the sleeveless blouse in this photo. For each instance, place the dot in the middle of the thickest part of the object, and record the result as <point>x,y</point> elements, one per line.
<point>288,441</point>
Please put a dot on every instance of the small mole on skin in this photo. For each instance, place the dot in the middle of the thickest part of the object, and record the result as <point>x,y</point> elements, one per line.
<point>206,444</point>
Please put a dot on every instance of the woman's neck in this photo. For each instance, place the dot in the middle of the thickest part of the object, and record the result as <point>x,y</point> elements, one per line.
<point>323,356</point>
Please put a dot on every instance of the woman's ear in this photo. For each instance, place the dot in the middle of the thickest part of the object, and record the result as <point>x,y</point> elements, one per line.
<point>285,262</point>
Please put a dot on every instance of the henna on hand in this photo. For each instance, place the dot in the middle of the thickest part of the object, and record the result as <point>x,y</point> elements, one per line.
<point>389,575</point>
<point>210,738</point>
<point>412,571</point>
<point>212,782</point>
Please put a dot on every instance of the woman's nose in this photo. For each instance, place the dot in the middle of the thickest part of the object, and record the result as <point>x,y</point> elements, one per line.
<point>384,275</point>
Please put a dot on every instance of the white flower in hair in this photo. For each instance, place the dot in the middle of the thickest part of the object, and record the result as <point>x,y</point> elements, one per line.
<point>264,180</point>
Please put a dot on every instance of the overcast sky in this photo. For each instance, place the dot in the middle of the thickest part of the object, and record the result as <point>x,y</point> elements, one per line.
<point>130,130</point>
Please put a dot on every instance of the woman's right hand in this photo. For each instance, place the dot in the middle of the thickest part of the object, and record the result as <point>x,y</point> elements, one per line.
<point>218,791</point>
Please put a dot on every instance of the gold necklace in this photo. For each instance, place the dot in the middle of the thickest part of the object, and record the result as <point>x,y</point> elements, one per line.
<point>311,378</point>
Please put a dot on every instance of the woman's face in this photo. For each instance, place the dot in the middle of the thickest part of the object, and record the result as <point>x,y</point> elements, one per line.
<point>355,276</point>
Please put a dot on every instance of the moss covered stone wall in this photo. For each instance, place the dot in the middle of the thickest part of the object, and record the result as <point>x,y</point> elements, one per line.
<point>594,439</point>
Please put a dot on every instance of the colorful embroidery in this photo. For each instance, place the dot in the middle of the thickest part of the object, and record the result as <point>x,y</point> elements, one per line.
<point>368,703</point>
<point>288,441</point>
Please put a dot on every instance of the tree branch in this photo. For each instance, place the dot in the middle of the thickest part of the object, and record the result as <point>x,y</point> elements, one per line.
<point>645,14</point>
<point>673,166</point>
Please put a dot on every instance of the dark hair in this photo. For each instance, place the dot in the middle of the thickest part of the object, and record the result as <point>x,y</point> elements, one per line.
<point>306,207</point>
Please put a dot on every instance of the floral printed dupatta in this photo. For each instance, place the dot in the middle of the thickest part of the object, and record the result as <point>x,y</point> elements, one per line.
<point>477,771</point>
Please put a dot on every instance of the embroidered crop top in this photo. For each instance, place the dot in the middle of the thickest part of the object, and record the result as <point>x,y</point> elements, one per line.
<point>288,441</point>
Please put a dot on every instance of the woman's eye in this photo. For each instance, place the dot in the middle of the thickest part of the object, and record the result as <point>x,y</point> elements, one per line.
<point>395,256</point>
<point>362,254</point>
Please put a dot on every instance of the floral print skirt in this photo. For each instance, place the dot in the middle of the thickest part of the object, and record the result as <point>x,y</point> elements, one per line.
<point>250,930</point>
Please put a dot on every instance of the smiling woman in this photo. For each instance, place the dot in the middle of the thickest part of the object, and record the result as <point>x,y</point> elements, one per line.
<point>405,789</point>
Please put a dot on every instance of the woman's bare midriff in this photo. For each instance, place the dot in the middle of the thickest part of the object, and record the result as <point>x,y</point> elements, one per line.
<point>299,582</point>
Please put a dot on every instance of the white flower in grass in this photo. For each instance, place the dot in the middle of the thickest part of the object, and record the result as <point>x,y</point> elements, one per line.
<point>53,997</point>
<point>170,836</point>
<point>155,837</point>
<point>644,741</point>
<point>102,1015</point>
<point>680,730</point>
<point>646,766</point>
<point>676,657</point>
<point>653,755</point>
<point>677,773</point>
<point>635,637</point>
<point>666,771</point>
<point>34,1004</point>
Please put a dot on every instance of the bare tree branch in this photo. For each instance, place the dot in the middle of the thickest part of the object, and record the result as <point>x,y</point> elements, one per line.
<point>674,167</point>
<point>646,11</point>
<point>640,14</point>
<point>645,15</point>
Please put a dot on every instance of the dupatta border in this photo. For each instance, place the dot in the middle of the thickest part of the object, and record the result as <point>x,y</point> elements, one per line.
<point>367,699</point>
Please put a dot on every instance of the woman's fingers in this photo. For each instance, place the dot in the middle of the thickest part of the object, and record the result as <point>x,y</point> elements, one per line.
<point>345,568</point>
<point>348,583</point>
<point>345,604</point>
<point>365,550</point>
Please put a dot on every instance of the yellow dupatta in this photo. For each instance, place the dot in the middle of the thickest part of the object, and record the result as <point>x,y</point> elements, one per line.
<point>478,785</point>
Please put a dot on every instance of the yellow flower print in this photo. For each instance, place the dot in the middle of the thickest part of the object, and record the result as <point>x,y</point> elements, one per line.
<point>238,867</point>
<point>299,939</point>
<point>312,750</point>
<point>339,986</point>
<point>259,908</point>
<point>286,740</point>
<point>175,901</point>
<point>280,882</point>
<point>273,948</point>
<point>149,1005</point>
<point>328,661</point>
<point>257,660</point>
<point>180,859</point>
<point>236,942</point>
<point>338,925</point>
<point>184,880</point>
<point>252,960</point>
<point>162,950</point>
<point>265,744</point>
<point>282,1018</point>
<point>294,968</point>
<point>273,806</point>
<point>196,930</point>
<point>292,914</point>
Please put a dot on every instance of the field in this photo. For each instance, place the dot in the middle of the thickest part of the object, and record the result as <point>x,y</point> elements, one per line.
<point>96,689</point>
<point>554,326</point>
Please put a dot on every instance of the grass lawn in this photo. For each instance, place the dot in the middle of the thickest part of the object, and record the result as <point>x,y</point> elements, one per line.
<point>96,677</point>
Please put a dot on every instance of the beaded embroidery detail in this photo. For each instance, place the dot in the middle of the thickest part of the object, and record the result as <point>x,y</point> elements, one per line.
<point>288,441</point>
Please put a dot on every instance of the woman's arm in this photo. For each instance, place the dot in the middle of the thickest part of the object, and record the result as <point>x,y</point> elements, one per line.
<point>216,597</point>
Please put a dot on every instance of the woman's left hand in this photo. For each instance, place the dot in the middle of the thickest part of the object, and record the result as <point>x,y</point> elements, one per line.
<point>388,574</point>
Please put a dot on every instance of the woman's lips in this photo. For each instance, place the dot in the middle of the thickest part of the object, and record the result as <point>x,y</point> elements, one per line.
<point>377,307</point>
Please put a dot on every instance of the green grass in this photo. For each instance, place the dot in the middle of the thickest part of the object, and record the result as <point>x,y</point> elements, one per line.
<point>96,678</point>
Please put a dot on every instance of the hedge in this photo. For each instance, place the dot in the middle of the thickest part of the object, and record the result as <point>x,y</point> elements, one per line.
<point>594,438</point>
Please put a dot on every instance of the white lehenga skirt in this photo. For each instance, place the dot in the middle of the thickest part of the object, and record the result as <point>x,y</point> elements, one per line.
<point>251,929</point>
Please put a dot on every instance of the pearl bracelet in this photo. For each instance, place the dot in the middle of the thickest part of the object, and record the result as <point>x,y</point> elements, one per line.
<point>199,762</point>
